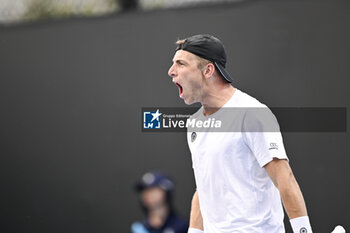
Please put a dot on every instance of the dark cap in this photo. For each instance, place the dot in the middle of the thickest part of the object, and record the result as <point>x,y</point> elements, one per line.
<point>210,48</point>
<point>155,179</point>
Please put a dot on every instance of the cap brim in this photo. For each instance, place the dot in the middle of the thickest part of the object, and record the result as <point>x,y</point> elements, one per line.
<point>223,72</point>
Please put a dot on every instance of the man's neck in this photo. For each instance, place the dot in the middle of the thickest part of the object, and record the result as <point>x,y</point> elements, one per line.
<point>216,98</point>
<point>157,216</point>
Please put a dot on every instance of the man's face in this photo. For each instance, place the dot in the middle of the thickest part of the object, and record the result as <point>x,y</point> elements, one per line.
<point>187,76</point>
<point>153,197</point>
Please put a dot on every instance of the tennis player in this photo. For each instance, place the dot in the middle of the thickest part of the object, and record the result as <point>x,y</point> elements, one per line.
<point>241,176</point>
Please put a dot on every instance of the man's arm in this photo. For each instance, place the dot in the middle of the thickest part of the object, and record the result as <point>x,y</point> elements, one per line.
<point>196,220</point>
<point>282,176</point>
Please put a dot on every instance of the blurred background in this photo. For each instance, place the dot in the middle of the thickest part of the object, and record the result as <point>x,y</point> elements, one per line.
<point>20,11</point>
<point>75,74</point>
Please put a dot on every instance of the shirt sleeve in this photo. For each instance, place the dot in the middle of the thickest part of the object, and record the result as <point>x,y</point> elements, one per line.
<point>262,134</point>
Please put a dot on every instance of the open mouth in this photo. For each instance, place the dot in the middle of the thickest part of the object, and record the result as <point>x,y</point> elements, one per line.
<point>180,89</point>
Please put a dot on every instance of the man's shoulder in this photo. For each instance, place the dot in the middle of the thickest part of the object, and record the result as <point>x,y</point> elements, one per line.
<point>243,99</point>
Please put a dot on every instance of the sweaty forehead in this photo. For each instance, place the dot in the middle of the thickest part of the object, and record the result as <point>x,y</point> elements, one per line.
<point>184,55</point>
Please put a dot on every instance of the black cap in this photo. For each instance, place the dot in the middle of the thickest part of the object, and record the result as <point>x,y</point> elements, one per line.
<point>210,48</point>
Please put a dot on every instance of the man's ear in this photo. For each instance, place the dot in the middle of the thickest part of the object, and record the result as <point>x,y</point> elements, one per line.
<point>209,70</point>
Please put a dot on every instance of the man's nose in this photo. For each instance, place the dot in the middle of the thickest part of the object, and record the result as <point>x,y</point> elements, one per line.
<point>171,71</point>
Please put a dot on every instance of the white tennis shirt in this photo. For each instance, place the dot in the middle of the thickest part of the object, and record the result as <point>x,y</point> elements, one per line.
<point>236,195</point>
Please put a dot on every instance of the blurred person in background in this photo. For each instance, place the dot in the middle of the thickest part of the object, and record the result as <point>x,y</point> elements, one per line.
<point>156,192</point>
